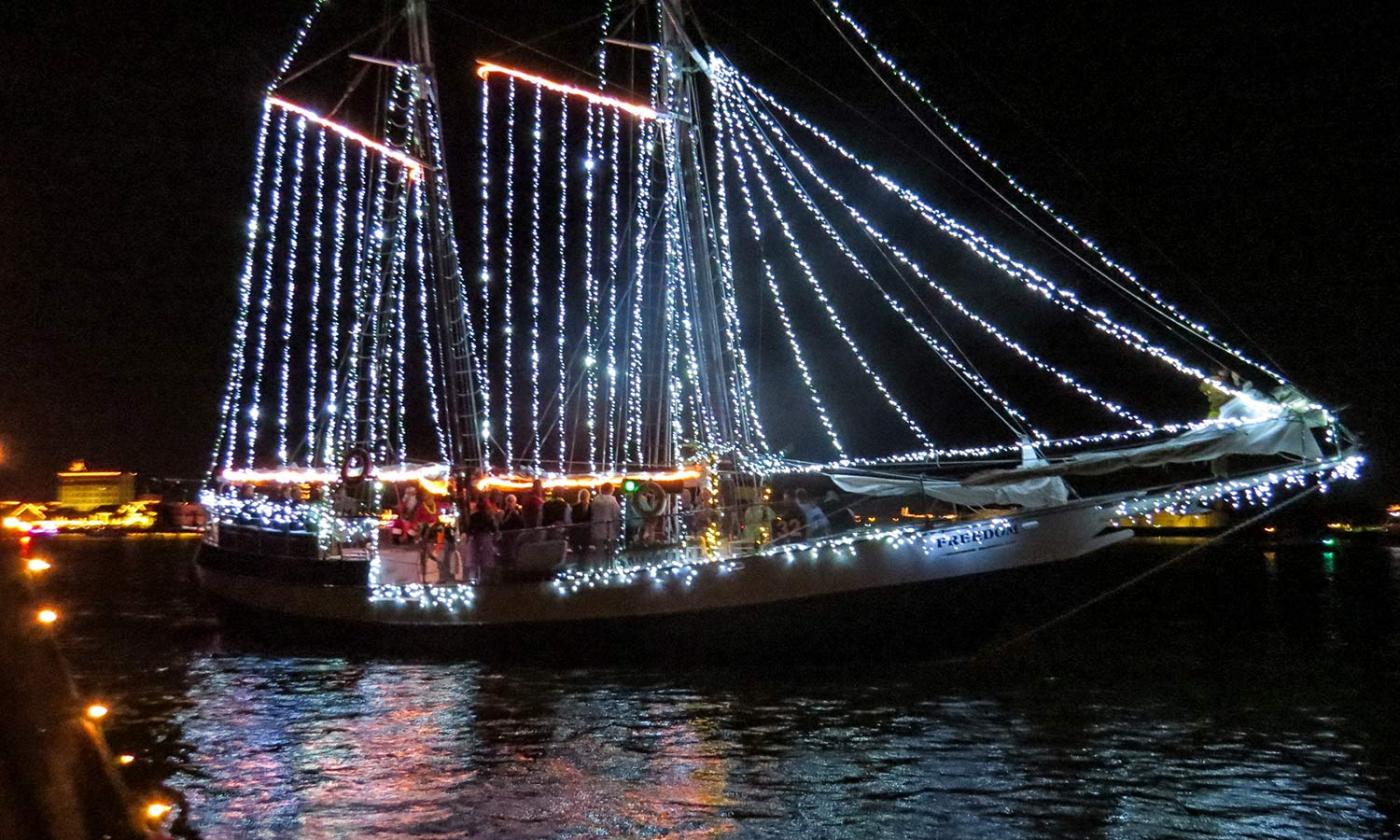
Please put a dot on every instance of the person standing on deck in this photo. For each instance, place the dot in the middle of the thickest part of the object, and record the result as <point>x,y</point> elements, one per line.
<point>604,517</point>
<point>532,506</point>
<point>483,532</point>
<point>512,523</point>
<point>581,532</point>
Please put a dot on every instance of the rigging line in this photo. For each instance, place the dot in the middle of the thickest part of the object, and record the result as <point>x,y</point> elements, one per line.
<point>1157,310</point>
<point>292,77</point>
<point>810,276</point>
<point>1099,192</point>
<point>884,129</point>
<point>884,246</point>
<point>518,43</point>
<point>529,44</point>
<point>755,232</point>
<point>364,71</point>
<point>976,383</point>
<point>991,253</point>
<point>1021,638</point>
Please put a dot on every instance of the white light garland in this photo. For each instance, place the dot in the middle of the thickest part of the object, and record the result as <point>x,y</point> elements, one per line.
<point>314,300</point>
<point>537,133</point>
<point>1175,314</point>
<point>614,278</point>
<point>484,277</point>
<point>328,409</point>
<point>875,234</point>
<point>561,305</point>
<point>289,300</point>
<point>426,341</point>
<point>507,313</point>
<point>265,305</point>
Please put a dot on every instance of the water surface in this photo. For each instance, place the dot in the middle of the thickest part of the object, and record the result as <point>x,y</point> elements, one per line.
<point>1245,693</point>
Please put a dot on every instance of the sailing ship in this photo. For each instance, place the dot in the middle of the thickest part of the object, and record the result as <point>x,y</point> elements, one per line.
<point>687,289</point>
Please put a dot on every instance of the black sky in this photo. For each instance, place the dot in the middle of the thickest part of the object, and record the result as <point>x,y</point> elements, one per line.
<point>1243,153</point>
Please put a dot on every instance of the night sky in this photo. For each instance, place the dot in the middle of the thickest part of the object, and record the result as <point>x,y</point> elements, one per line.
<point>1236,156</point>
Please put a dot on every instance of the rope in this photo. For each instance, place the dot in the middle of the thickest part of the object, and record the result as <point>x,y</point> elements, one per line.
<point>1002,647</point>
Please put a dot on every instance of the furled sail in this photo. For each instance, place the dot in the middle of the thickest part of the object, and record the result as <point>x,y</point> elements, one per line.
<point>1031,493</point>
<point>1283,434</point>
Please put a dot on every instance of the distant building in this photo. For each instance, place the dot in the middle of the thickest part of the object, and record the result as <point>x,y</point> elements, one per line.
<point>84,489</point>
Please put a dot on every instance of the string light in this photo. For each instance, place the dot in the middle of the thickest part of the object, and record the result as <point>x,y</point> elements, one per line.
<point>772,283</point>
<point>486,68</point>
<point>265,299</point>
<point>614,277</point>
<point>561,306</point>
<point>333,332</point>
<point>414,167</point>
<point>991,253</point>
<point>741,383</point>
<point>314,313</point>
<point>590,287</point>
<point>289,300</point>
<point>227,438</point>
<point>812,281</point>
<point>484,346</point>
<point>426,341</point>
<point>902,257</point>
<point>297,40</point>
<point>507,313</point>
<point>1174,313</point>
<point>535,198</point>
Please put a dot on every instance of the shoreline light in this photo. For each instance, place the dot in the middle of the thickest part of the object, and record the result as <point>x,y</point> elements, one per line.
<point>47,615</point>
<point>96,711</point>
<point>486,68</point>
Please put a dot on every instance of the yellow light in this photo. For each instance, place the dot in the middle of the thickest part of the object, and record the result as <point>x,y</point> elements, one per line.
<point>516,481</point>
<point>97,711</point>
<point>415,167</point>
<point>156,810</point>
<point>125,758</point>
<point>437,488</point>
<point>36,565</point>
<point>47,616</point>
<point>486,68</point>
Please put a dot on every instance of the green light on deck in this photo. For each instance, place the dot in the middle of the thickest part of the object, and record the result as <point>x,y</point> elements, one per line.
<point>1329,540</point>
<point>629,486</point>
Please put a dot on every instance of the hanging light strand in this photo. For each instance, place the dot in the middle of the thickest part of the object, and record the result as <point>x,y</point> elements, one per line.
<point>812,281</point>
<point>314,301</point>
<point>227,440</point>
<point>780,137</point>
<point>756,233</point>
<point>507,309</point>
<point>537,136</point>
<point>328,408</point>
<point>254,408</point>
<point>425,336</point>
<point>1157,301</point>
<point>561,304</point>
<point>484,277</point>
<point>614,279</point>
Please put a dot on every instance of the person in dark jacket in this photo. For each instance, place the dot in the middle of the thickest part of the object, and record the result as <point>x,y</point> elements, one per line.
<point>581,534</point>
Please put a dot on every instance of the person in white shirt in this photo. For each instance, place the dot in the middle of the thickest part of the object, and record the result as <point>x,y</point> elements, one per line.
<point>605,514</point>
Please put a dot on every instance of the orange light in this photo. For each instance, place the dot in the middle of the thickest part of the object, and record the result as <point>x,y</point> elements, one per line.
<point>125,759</point>
<point>486,68</point>
<point>516,481</point>
<point>47,616</point>
<point>97,711</point>
<point>156,810</point>
<point>291,475</point>
<point>90,474</point>
<point>415,167</point>
<point>35,566</point>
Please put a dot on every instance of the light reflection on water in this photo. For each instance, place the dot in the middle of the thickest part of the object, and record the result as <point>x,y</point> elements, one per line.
<point>1250,695</point>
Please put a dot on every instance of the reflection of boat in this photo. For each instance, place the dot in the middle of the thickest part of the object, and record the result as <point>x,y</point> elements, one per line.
<point>601,338</point>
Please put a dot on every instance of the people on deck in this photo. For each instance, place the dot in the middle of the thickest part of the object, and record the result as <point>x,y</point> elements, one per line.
<point>815,521</point>
<point>556,515</point>
<point>532,506</point>
<point>758,522</point>
<point>605,518</point>
<point>482,532</point>
<point>512,523</point>
<point>581,533</point>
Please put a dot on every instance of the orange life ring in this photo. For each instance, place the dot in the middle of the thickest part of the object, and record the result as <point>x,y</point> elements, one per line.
<point>357,466</point>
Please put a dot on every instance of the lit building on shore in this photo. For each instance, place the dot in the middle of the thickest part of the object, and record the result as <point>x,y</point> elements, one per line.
<point>83,489</point>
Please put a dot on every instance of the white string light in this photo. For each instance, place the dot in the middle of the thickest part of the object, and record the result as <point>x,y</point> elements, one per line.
<point>991,253</point>
<point>289,300</point>
<point>772,283</point>
<point>507,314</point>
<point>781,138</point>
<point>1172,311</point>
<point>265,305</point>
<point>314,300</point>
<point>560,303</point>
<point>227,439</point>
<point>614,277</point>
<point>537,132</point>
<point>333,333</point>
<point>810,275</point>
<point>484,277</point>
<point>590,287</point>
<point>420,212</point>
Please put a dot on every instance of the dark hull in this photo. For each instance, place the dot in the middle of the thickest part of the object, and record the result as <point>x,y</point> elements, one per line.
<point>948,617</point>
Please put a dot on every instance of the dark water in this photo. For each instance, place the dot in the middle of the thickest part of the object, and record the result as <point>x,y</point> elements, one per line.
<point>1242,694</point>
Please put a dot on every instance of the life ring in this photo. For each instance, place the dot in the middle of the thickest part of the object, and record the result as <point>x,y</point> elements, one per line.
<point>650,499</point>
<point>357,466</point>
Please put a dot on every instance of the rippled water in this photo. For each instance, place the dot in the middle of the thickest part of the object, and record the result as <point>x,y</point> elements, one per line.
<point>1244,694</point>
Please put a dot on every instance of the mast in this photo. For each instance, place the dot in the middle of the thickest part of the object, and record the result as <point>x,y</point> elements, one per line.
<point>454,339</point>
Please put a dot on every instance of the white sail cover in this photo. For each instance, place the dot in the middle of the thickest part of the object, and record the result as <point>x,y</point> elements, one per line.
<point>1033,493</point>
<point>1278,435</point>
